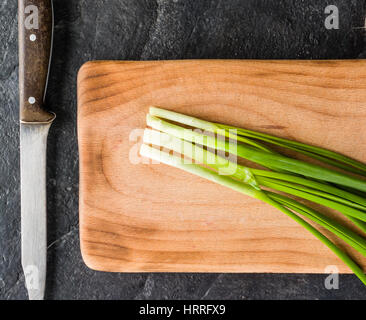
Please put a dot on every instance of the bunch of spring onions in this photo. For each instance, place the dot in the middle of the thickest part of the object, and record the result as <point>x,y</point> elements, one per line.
<point>212,150</point>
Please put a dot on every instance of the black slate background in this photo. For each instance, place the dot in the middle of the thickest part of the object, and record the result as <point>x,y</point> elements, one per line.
<point>151,29</point>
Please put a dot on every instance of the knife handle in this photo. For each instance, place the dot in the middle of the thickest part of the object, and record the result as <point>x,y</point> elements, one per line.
<point>35,18</point>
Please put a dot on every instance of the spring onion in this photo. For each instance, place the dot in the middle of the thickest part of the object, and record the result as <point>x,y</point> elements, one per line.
<point>212,150</point>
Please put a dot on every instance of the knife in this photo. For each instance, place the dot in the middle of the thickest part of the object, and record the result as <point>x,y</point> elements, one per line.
<point>35,46</point>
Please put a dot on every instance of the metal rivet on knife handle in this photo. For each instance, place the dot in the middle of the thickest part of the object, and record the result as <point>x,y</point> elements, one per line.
<point>35,44</point>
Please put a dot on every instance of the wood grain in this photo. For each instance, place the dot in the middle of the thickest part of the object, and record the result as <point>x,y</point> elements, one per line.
<point>140,217</point>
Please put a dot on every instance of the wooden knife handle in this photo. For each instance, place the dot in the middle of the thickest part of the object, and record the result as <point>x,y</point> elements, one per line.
<point>35,45</point>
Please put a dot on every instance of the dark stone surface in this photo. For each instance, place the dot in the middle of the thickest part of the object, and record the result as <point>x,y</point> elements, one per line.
<point>151,29</point>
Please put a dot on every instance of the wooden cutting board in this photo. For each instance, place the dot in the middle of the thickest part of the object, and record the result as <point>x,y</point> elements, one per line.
<point>137,217</point>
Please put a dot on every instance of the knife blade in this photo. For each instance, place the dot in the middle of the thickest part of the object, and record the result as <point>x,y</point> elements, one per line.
<point>35,46</point>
